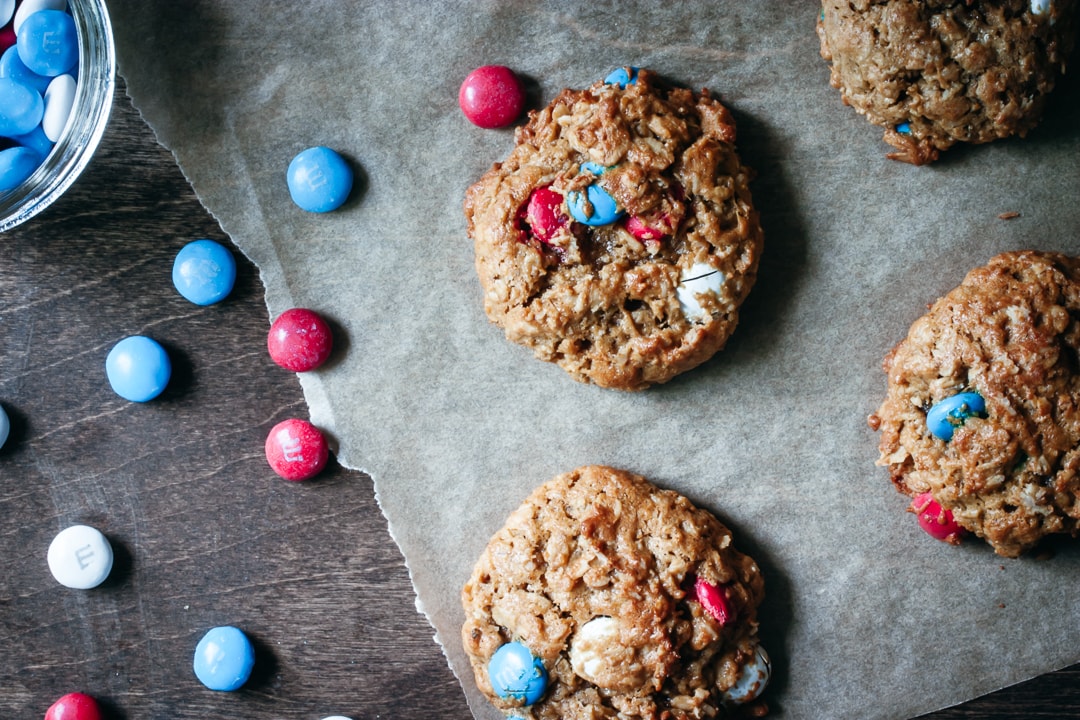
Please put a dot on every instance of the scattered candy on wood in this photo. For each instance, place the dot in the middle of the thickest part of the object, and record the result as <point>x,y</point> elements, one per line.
<point>296,450</point>
<point>515,673</point>
<point>319,180</point>
<point>74,706</point>
<point>204,272</point>
<point>492,96</point>
<point>224,659</point>
<point>80,557</point>
<point>138,368</point>
<point>300,340</point>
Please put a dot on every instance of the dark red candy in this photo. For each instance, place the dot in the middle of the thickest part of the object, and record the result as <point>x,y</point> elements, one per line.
<point>544,213</point>
<point>296,450</point>
<point>74,706</point>
<point>300,340</point>
<point>492,96</point>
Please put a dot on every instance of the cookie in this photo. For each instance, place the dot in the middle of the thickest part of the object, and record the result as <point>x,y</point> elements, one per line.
<point>618,238</point>
<point>604,596</point>
<point>934,73</point>
<point>982,415</point>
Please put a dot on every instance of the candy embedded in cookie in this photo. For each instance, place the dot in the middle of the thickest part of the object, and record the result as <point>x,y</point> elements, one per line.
<point>605,596</point>
<point>595,236</point>
<point>981,422</point>
<point>934,74</point>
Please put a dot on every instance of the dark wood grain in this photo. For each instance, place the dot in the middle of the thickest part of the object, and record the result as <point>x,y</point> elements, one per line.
<point>205,534</point>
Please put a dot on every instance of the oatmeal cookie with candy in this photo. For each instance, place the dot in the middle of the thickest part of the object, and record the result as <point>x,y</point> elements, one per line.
<point>618,238</point>
<point>604,596</point>
<point>981,423</point>
<point>934,73</point>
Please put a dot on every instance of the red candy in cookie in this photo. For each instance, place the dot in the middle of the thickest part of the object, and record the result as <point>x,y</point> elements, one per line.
<point>296,450</point>
<point>544,213</point>
<point>936,520</point>
<point>300,340</point>
<point>649,229</point>
<point>74,706</point>
<point>713,599</point>
<point>492,96</point>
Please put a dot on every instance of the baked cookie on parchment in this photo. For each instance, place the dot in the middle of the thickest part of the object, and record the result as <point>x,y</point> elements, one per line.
<point>604,596</point>
<point>981,423</point>
<point>618,238</point>
<point>934,73</point>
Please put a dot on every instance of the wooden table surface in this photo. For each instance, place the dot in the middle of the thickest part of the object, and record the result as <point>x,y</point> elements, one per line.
<point>204,533</point>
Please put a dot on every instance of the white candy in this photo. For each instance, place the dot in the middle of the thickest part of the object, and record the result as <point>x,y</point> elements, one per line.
<point>59,97</point>
<point>80,557</point>
<point>701,278</point>
<point>336,717</point>
<point>752,680</point>
<point>5,426</point>
<point>29,7</point>
<point>1041,7</point>
<point>587,656</point>
<point>7,9</point>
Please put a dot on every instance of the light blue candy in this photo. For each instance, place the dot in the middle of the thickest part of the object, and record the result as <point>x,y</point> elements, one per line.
<point>21,108</point>
<point>319,179</point>
<point>904,128</point>
<point>36,140</point>
<point>13,68</point>
<point>948,414</point>
<point>48,42</point>
<point>204,272</point>
<point>5,426</point>
<point>224,659</point>
<point>138,368</point>
<point>604,208</point>
<point>515,673</point>
<point>621,77</point>
<point>17,164</point>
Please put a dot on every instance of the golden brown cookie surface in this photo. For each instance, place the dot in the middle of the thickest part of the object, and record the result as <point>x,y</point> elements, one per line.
<point>632,293</point>
<point>633,600</point>
<point>1010,334</point>
<point>937,72</point>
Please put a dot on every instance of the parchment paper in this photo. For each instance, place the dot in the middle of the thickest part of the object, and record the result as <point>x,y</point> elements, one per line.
<point>866,617</point>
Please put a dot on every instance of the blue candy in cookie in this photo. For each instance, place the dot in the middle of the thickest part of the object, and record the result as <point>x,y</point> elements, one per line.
<point>945,416</point>
<point>515,673</point>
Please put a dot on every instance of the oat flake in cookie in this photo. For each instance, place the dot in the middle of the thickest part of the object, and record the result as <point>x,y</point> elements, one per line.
<point>604,596</point>
<point>983,405</point>
<point>934,73</point>
<point>618,238</point>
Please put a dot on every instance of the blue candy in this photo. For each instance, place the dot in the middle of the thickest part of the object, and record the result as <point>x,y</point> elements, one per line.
<point>515,673</point>
<point>21,108</point>
<point>621,77</point>
<point>138,368</point>
<point>948,414</point>
<point>48,42</point>
<point>5,426</point>
<point>604,208</point>
<point>319,180</point>
<point>224,659</point>
<point>904,128</point>
<point>17,164</point>
<point>13,68</point>
<point>204,272</point>
<point>36,140</point>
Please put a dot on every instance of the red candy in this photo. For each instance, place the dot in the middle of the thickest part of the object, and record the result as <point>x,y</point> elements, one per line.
<point>296,450</point>
<point>936,520</point>
<point>74,706</point>
<point>492,96</point>
<point>300,340</point>
<point>650,229</point>
<point>713,599</point>
<point>544,213</point>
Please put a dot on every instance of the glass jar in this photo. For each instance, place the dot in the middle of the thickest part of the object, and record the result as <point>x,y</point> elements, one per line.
<point>89,115</point>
